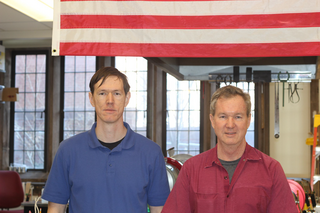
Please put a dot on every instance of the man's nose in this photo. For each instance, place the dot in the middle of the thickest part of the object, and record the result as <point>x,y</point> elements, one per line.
<point>230,122</point>
<point>110,98</point>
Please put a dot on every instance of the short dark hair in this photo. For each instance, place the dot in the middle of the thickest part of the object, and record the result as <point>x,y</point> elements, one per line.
<point>106,72</point>
<point>229,92</point>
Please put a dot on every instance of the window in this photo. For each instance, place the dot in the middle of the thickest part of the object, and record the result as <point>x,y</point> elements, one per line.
<point>79,115</point>
<point>183,116</point>
<point>135,113</point>
<point>249,88</point>
<point>28,114</point>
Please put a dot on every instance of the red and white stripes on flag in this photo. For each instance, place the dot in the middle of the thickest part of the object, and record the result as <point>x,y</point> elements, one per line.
<point>177,28</point>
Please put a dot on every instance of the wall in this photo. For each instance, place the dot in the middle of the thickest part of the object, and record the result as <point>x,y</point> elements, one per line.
<point>290,148</point>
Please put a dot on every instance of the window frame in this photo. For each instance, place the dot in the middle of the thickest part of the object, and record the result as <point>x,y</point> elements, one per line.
<point>12,105</point>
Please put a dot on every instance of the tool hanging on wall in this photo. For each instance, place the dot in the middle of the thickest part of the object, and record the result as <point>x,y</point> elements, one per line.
<point>249,76</point>
<point>219,79</point>
<point>283,81</point>
<point>276,111</point>
<point>292,92</point>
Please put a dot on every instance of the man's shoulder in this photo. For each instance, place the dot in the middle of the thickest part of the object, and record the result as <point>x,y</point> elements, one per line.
<point>142,140</point>
<point>78,138</point>
<point>259,155</point>
<point>201,159</point>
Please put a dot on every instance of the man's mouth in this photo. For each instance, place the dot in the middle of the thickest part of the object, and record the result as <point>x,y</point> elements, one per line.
<point>109,110</point>
<point>230,133</point>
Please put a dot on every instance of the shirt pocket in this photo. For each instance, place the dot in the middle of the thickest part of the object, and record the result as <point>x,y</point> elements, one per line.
<point>249,199</point>
<point>208,202</point>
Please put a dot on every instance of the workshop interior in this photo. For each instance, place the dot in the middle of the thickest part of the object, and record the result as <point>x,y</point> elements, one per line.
<point>45,74</point>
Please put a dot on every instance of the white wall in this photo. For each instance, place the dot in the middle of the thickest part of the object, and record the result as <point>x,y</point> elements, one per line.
<point>290,148</point>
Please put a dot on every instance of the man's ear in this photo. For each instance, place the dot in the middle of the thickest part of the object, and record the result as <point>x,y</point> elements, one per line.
<point>211,120</point>
<point>128,96</point>
<point>91,99</point>
<point>249,120</point>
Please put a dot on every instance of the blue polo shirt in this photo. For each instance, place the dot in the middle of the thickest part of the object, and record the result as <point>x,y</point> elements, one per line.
<point>94,179</point>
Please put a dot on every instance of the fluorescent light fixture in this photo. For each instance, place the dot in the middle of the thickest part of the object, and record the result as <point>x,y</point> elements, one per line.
<point>40,10</point>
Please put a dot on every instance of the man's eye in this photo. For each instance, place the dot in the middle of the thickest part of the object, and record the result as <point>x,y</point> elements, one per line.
<point>238,117</point>
<point>102,93</point>
<point>117,93</point>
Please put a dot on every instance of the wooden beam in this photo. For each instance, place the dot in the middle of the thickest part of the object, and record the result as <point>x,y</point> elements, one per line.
<point>262,116</point>
<point>205,124</point>
<point>169,65</point>
<point>317,74</point>
<point>156,106</point>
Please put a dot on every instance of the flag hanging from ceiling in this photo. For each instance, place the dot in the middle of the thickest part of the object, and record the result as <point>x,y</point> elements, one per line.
<point>187,28</point>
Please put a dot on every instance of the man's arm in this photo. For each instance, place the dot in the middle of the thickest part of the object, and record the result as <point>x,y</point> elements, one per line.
<point>155,209</point>
<point>56,208</point>
<point>281,199</point>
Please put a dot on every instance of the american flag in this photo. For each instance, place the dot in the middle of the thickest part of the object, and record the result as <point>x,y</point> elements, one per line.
<point>185,28</point>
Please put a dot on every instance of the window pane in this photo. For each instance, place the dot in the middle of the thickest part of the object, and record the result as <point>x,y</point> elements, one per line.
<point>18,140</point>
<point>183,140</point>
<point>80,101</point>
<point>172,100</point>
<point>183,100</point>
<point>183,120</point>
<point>31,64</point>
<point>171,83</point>
<point>20,64</point>
<point>30,82</point>
<point>18,157</point>
<point>19,121</point>
<point>41,63</point>
<point>69,64</point>
<point>79,121</point>
<point>80,62</point>
<point>89,119</point>
<point>68,121</point>
<point>38,140</point>
<point>40,87</point>
<point>194,120</point>
<point>90,63</point>
<point>29,120</point>
<point>172,118</point>
<point>80,82</point>
<point>29,140</point>
<point>194,100</point>
<point>68,101</point>
<point>40,101</point>
<point>39,159</point>
<point>20,82</point>
<point>172,139</point>
<point>131,118</point>
<point>28,159</point>
<point>29,101</point>
<point>141,120</point>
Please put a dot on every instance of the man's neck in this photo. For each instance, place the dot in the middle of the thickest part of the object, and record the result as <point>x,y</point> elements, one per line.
<point>230,153</point>
<point>110,133</point>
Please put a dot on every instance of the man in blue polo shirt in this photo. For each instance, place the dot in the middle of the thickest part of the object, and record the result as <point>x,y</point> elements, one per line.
<point>109,168</point>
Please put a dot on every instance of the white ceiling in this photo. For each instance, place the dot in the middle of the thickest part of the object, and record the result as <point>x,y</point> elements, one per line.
<point>19,30</point>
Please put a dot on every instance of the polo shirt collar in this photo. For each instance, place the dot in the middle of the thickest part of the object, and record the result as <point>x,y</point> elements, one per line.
<point>126,143</point>
<point>250,153</point>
